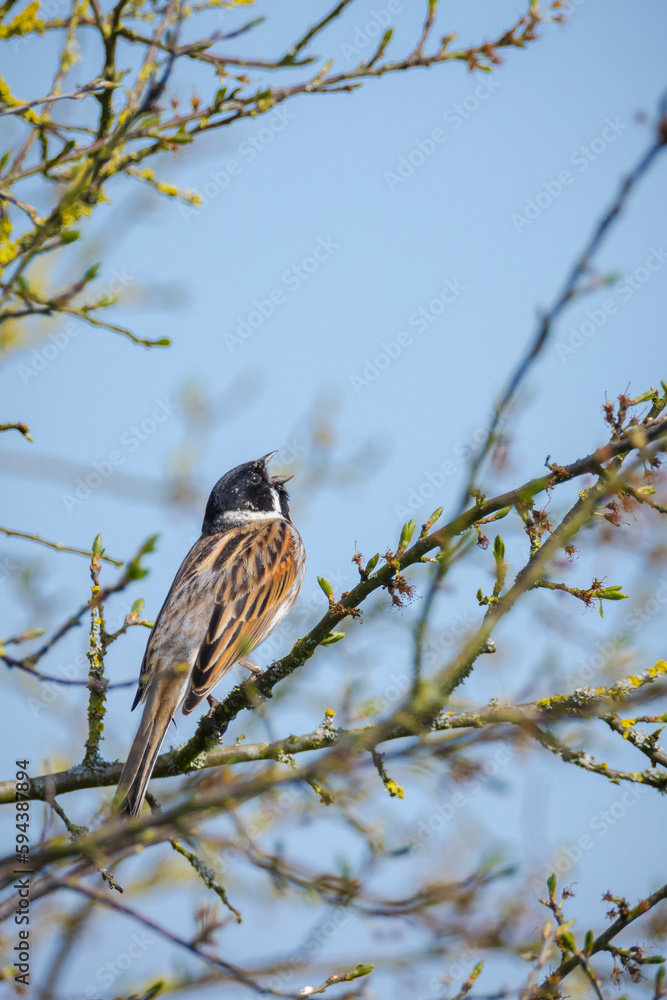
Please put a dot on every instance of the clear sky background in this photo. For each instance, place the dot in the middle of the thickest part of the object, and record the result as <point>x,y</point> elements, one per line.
<point>454,230</point>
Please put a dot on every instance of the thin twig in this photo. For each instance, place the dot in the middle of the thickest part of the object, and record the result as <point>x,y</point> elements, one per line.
<point>567,293</point>
<point>549,987</point>
<point>57,545</point>
<point>112,902</point>
<point>21,428</point>
<point>580,704</point>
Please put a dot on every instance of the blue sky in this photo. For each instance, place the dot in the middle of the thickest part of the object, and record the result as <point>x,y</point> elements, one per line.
<point>376,263</point>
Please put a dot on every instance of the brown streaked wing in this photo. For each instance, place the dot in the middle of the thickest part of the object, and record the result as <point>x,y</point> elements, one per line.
<point>207,556</point>
<point>251,592</point>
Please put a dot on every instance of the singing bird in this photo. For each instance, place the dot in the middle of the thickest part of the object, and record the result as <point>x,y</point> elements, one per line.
<point>236,584</point>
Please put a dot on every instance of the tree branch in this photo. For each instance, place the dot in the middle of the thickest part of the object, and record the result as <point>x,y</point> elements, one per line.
<point>584,703</point>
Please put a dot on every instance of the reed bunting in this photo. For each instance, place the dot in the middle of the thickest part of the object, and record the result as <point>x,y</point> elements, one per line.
<point>237,582</point>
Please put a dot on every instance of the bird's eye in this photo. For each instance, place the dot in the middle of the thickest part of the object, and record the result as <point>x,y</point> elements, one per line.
<point>255,478</point>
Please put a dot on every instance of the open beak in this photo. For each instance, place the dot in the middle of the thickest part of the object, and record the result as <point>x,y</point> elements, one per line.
<point>275,480</point>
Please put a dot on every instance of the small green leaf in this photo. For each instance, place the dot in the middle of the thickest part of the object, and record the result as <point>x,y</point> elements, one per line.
<point>435,515</point>
<point>567,940</point>
<point>137,607</point>
<point>134,569</point>
<point>70,236</point>
<point>97,546</point>
<point>149,544</point>
<point>611,594</point>
<point>500,514</point>
<point>333,637</point>
<point>90,273</point>
<point>551,883</point>
<point>181,137</point>
<point>150,121</point>
<point>358,971</point>
<point>5,157</point>
<point>105,302</point>
<point>476,971</point>
<point>499,549</point>
<point>588,942</point>
<point>372,563</point>
<point>326,587</point>
<point>33,633</point>
<point>407,532</point>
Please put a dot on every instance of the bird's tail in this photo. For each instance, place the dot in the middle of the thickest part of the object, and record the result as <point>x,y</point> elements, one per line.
<point>159,710</point>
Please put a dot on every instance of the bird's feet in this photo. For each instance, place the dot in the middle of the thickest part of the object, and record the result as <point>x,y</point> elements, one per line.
<point>219,729</point>
<point>252,667</point>
<point>212,705</point>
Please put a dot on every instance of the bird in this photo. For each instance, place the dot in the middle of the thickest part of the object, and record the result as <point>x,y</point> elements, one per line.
<point>235,585</point>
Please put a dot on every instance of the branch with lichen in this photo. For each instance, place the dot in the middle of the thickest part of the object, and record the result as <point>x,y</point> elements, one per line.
<point>133,570</point>
<point>583,703</point>
<point>245,696</point>
<point>96,652</point>
<point>573,287</point>
<point>207,874</point>
<point>574,956</point>
<point>78,161</point>
<point>135,128</point>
